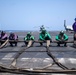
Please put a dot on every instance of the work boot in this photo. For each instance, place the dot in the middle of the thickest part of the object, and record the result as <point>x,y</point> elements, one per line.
<point>16,44</point>
<point>11,45</point>
<point>65,45</point>
<point>41,44</point>
<point>58,44</point>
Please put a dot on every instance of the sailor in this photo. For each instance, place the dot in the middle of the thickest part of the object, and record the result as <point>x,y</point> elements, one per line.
<point>13,37</point>
<point>3,36</point>
<point>43,36</point>
<point>74,28</point>
<point>28,37</point>
<point>61,38</point>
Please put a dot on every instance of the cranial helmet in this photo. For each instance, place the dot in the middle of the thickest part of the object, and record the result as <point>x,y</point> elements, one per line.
<point>11,33</point>
<point>61,32</point>
<point>29,33</point>
<point>3,32</point>
<point>75,19</point>
<point>42,25</point>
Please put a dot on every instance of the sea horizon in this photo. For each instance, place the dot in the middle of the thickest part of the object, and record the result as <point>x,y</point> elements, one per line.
<point>27,30</point>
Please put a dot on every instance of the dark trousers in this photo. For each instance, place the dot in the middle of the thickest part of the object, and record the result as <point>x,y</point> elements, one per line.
<point>74,36</point>
<point>11,43</point>
<point>47,38</point>
<point>3,41</point>
<point>61,43</point>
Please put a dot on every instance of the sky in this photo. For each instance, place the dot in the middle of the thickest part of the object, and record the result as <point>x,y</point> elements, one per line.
<point>31,14</point>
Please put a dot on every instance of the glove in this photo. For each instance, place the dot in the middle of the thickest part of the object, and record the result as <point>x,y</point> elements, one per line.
<point>61,41</point>
<point>31,38</point>
<point>50,40</point>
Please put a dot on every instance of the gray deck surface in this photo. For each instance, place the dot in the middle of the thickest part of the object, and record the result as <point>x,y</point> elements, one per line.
<point>31,59</point>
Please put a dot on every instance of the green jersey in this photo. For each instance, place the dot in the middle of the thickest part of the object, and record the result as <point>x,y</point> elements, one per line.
<point>59,37</point>
<point>29,38</point>
<point>44,36</point>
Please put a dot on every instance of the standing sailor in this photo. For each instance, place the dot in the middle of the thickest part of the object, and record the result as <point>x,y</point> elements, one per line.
<point>74,28</point>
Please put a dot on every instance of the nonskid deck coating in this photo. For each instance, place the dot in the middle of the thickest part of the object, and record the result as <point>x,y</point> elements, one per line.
<point>65,55</point>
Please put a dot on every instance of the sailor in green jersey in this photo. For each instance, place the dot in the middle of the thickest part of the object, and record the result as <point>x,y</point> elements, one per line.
<point>28,37</point>
<point>44,35</point>
<point>61,38</point>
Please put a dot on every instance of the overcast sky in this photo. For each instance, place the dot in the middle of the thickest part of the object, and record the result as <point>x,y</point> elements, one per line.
<point>30,14</point>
